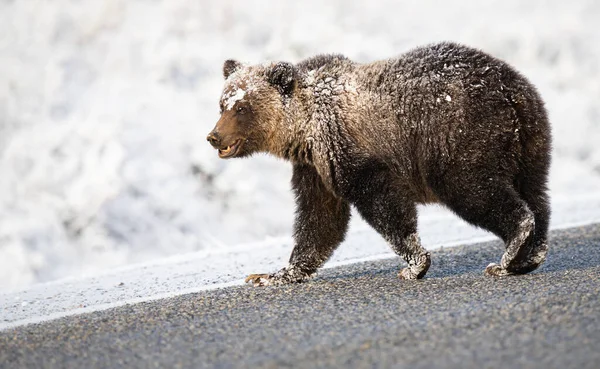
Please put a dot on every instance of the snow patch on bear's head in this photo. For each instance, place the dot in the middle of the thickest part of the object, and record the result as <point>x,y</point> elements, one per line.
<point>238,86</point>
<point>229,99</point>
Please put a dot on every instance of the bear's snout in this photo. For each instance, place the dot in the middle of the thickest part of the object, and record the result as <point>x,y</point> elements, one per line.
<point>214,139</point>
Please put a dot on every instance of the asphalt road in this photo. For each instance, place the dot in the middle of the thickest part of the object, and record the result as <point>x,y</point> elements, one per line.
<point>351,317</point>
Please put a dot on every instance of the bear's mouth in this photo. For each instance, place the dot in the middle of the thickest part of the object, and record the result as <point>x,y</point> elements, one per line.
<point>230,150</point>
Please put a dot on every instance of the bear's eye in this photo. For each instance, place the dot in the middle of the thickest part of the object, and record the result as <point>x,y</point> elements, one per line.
<point>241,110</point>
<point>221,108</point>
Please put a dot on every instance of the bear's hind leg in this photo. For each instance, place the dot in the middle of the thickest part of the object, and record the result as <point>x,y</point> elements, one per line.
<point>533,190</point>
<point>514,260</point>
<point>384,204</point>
<point>498,208</point>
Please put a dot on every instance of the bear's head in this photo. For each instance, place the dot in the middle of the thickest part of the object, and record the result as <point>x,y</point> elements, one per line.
<point>253,107</point>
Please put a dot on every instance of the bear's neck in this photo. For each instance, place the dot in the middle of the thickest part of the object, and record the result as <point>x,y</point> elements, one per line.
<point>310,131</point>
<point>292,139</point>
<point>293,143</point>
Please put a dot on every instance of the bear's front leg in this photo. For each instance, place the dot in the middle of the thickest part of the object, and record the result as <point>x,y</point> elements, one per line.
<point>320,226</point>
<point>386,204</point>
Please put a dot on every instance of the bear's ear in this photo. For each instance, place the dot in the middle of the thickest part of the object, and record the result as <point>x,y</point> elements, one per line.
<point>283,76</point>
<point>229,67</point>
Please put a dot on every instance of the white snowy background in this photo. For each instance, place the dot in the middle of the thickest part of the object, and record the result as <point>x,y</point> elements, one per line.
<point>105,105</point>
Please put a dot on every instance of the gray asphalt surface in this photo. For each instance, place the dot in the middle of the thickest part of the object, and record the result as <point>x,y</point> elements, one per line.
<point>352,316</point>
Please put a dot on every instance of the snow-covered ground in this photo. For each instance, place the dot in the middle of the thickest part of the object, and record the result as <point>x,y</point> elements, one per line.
<point>104,106</point>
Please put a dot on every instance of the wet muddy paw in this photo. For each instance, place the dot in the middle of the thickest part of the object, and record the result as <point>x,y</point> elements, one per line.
<point>407,273</point>
<point>287,275</point>
<point>496,270</point>
<point>417,267</point>
<point>260,280</point>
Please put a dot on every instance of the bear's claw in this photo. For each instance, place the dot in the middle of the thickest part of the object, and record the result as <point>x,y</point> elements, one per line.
<point>496,270</point>
<point>407,273</point>
<point>259,280</point>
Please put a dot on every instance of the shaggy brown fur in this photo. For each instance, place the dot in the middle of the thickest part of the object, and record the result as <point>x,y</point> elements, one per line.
<point>443,124</point>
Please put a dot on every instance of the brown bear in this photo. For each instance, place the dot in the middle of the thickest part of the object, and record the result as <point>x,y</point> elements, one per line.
<point>444,123</point>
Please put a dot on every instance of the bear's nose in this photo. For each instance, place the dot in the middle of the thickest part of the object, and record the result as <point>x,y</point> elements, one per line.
<point>214,139</point>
